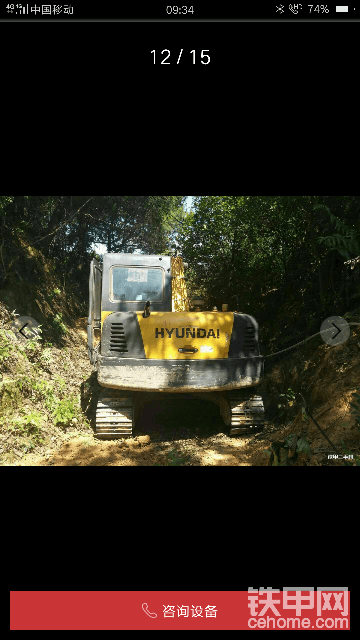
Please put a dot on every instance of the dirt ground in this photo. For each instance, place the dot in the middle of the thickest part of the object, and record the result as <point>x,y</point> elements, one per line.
<point>177,445</point>
<point>165,436</point>
<point>174,433</point>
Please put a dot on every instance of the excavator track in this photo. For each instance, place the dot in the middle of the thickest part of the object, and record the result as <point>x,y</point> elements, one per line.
<point>115,415</point>
<point>247,413</point>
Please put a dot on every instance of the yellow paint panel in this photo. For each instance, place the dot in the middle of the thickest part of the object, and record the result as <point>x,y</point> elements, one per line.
<point>165,333</point>
<point>179,293</point>
<point>104,315</point>
<point>162,334</point>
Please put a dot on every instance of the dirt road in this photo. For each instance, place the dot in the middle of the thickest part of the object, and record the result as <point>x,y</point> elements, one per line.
<point>170,433</point>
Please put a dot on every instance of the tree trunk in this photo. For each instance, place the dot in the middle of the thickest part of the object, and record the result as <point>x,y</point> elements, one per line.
<point>314,247</point>
<point>19,207</point>
<point>57,217</point>
<point>234,247</point>
<point>83,235</point>
<point>320,274</point>
<point>332,273</point>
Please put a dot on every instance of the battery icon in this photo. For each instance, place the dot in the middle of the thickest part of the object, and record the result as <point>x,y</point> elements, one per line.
<point>342,9</point>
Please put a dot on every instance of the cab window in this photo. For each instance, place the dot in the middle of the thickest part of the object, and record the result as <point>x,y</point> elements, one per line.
<point>137,284</point>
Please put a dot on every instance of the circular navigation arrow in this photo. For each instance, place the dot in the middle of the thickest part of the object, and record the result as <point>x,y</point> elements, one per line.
<point>26,327</point>
<point>335,330</point>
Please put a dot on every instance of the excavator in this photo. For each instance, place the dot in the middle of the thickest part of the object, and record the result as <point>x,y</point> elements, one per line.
<point>148,340</point>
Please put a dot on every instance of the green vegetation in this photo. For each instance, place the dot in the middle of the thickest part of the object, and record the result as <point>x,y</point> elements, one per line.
<point>240,246</point>
<point>28,427</point>
<point>22,383</point>
<point>294,451</point>
<point>5,346</point>
<point>46,393</point>
<point>250,245</point>
<point>46,356</point>
<point>33,343</point>
<point>288,402</point>
<point>65,412</point>
<point>31,423</point>
<point>59,326</point>
<point>64,229</point>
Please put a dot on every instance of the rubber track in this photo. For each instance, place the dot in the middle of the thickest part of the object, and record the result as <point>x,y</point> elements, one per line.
<point>247,413</point>
<point>114,415</point>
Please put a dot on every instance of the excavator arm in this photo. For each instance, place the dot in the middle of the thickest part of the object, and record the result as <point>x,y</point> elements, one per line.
<point>94,319</point>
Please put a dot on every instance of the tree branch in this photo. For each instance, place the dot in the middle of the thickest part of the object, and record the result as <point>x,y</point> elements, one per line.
<point>62,225</point>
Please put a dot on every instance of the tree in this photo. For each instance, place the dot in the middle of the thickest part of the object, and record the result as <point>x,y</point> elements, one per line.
<point>65,228</point>
<point>244,245</point>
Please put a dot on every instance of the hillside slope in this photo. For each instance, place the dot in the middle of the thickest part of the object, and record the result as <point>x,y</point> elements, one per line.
<point>43,383</point>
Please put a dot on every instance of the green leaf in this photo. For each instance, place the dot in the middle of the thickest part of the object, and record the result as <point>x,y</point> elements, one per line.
<point>284,455</point>
<point>304,447</point>
<point>290,441</point>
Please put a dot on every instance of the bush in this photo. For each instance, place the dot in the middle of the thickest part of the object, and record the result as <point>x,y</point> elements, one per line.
<point>46,393</point>
<point>58,324</point>
<point>5,346</point>
<point>31,425</point>
<point>65,412</point>
<point>46,356</point>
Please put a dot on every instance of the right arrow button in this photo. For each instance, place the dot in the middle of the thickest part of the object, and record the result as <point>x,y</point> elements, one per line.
<point>335,330</point>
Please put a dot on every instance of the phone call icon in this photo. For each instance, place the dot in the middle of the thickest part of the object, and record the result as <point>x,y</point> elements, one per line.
<point>146,610</point>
